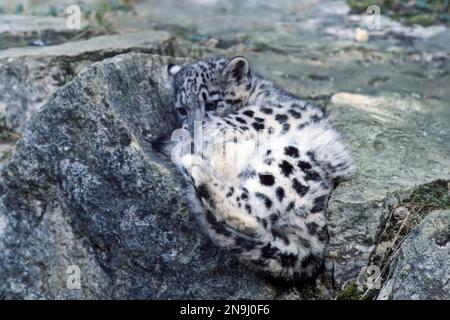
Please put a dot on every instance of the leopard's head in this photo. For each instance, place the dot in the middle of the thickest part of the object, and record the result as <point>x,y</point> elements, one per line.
<point>215,86</point>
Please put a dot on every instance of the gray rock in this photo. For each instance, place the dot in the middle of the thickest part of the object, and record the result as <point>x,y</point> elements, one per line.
<point>399,142</point>
<point>21,31</point>
<point>84,191</point>
<point>421,269</point>
<point>28,76</point>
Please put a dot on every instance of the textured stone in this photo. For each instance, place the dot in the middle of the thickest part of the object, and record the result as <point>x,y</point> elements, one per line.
<point>399,142</point>
<point>421,269</point>
<point>84,188</point>
<point>29,75</point>
<point>21,31</point>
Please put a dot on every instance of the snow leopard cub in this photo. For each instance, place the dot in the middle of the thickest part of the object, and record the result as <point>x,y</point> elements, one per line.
<point>267,205</point>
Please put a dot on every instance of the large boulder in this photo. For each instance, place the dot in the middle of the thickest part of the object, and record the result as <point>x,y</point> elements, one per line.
<point>421,269</point>
<point>89,210</point>
<point>399,142</point>
<point>29,75</point>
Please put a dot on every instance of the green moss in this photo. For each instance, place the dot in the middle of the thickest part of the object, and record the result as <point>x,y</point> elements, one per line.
<point>428,197</point>
<point>260,44</point>
<point>420,202</point>
<point>423,19</point>
<point>100,15</point>
<point>6,135</point>
<point>19,9</point>
<point>415,206</point>
<point>182,32</point>
<point>311,292</point>
<point>350,292</point>
<point>361,5</point>
<point>425,12</point>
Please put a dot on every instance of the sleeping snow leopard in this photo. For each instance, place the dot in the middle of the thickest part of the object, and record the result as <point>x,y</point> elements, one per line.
<point>267,205</point>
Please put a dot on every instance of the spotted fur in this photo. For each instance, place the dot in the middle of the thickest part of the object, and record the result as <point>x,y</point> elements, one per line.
<point>267,205</point>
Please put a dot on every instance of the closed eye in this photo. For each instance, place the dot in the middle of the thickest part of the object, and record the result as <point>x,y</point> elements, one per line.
<point>182,111</point>
<point>211,105</point>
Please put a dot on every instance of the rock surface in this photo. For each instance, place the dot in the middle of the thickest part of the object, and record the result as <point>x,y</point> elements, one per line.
<point>84,188</point>
<point>399,142</point>
<point>21,31</point>
<point>388,96</point>
<point>28,76</point>
<point>421,269</point>
<point>85,192</point>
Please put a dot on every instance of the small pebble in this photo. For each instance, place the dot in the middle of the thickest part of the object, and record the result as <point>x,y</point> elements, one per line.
<point>361,35</point>
<point>400,213</point>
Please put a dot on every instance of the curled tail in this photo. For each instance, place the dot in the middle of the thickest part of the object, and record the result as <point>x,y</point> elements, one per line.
<point>280,248</point>
<point>327,151</point>
<point>222,200</point>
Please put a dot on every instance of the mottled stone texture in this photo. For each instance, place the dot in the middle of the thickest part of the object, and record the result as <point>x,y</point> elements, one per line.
<point>421,270</point>
<point>399,142</point>
<point>18,31</point>
<point>85,188</point>
<point>28,76</point>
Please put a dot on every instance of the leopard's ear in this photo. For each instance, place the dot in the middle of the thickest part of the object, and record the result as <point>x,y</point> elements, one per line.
<point>237,70</point>
<point>173,69</point>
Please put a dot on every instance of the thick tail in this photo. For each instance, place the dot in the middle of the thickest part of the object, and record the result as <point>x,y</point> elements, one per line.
<point>326,149</point>
<point>223,200</point>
